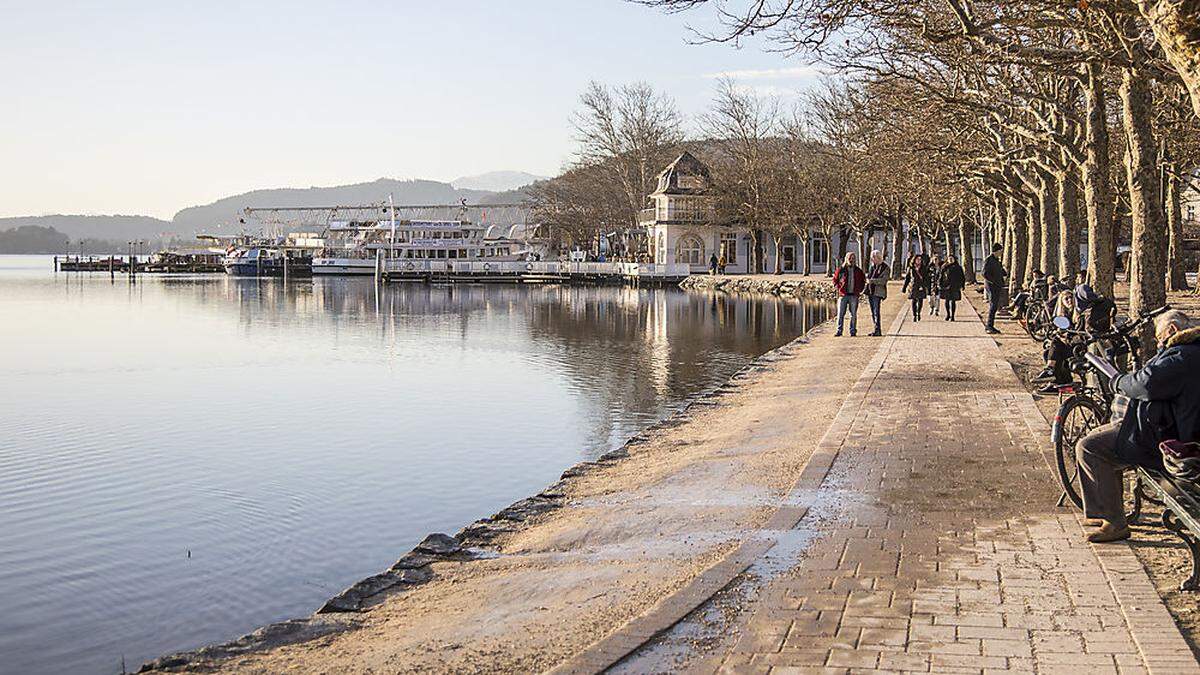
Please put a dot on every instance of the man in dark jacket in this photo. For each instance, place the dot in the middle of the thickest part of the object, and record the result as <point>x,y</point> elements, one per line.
<point>1164,404</point>
<point>850,281</point>
<point>994,276</point>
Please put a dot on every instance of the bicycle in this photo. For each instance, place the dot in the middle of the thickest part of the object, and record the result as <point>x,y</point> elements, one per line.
<point>1089,400</point>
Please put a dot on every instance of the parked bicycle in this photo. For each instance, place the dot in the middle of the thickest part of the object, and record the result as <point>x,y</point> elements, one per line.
<point>1086,402</point>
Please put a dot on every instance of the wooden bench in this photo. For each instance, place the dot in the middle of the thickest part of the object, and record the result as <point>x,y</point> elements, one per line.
<point>1181,514</point>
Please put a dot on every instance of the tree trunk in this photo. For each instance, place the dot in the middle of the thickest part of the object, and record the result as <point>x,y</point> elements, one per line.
<point>806,253</point>
<point>1176,26</point>
<point>1068,226</point>
<point>778,252</point>
<point>894,259</point>
<point>1033,239</point>
<point>758,265</point>
<point>1018,218</point>
<point>1097,191</point>
<point>1176,274</point>
<point>1048,215</point>
<point>949,237</point>
<point>966,257</point>
<point>1147,271</point>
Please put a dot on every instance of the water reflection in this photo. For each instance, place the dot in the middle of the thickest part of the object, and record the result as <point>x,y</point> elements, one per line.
<point>296,437</point>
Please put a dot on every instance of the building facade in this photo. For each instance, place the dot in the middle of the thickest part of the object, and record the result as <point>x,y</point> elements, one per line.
<point>681,227</point>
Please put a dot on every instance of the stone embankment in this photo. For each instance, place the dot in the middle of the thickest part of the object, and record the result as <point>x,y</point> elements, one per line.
<point>815,287</point>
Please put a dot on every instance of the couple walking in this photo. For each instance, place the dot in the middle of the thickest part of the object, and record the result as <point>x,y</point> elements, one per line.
<point>851,282</point>
<point>934,280</point>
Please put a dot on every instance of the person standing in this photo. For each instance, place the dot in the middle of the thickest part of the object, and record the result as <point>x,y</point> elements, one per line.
<point>951,280</point>
<point>935,272</point>
<point>712,264</point>
<point>994,276</point>
<point>850,281</point>
<point>721,263</point>
<point>916,284</point>
<point>877,280</point>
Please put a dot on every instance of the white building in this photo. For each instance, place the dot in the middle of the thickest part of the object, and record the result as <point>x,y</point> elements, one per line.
<point>681,227</point>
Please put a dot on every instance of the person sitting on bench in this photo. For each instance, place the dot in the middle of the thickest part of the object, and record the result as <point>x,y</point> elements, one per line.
<point>1089,312</point>
<point>1164,404</point>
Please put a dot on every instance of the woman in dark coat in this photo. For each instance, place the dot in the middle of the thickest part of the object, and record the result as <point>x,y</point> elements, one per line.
<point>916,284</point>
<point>935,286</point>
<point>951,281</point>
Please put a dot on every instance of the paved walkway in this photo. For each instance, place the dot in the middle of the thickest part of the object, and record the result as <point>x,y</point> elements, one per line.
<point>938,546</point>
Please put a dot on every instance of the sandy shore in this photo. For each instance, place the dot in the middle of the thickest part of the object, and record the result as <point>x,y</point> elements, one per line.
<point>625,534</point>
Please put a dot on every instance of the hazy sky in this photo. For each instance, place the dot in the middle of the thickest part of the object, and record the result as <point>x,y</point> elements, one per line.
<point>148,107</point>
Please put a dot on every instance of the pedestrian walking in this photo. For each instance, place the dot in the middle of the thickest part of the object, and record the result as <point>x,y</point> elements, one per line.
<point>951,280</point>
<point>877,280</point>
<point>916,284</point>
<point>721,263</point>
<point>712,264</point>
<point>994,276</point>
<point>935,284</point>
<point>850,281</point>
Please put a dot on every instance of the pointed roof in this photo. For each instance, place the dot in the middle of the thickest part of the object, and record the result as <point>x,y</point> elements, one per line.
<point>684,176</point>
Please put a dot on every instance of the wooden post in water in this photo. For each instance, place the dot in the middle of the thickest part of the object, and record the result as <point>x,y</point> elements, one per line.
<point>285,265</point>
<point>378,265</point>
<point>56,264</point>
<point>112,272</point>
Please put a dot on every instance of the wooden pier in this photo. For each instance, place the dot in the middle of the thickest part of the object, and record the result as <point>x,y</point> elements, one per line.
<point>119,265</point>
<point>451,271</point>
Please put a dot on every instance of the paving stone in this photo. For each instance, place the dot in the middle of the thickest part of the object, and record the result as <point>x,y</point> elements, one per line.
<point>936,544</point>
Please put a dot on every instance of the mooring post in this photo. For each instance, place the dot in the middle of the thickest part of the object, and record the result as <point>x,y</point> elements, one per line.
<point>378,265</point>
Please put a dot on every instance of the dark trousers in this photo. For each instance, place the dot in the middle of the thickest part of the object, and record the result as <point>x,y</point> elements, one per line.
<point>995,297</point>
<point>951,307</point>
<point>876,303</point>
<point>1102,474</point>
<point>917,304</point>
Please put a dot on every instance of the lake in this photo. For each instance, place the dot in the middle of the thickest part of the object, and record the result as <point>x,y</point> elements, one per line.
<point>184,459</point>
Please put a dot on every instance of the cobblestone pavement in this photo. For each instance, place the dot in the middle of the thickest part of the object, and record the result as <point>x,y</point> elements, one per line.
<point>937,544</point>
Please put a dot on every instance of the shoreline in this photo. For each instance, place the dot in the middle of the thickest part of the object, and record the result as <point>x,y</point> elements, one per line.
<point>483,539</point>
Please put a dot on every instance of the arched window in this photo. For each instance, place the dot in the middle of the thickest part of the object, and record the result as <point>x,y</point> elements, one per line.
<point>689,249</point>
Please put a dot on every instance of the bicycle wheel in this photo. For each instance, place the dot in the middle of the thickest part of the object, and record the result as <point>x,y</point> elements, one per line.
<point>1076,417</point>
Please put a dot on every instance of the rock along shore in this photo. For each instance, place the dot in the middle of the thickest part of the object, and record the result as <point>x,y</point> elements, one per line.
<point>813,287</point>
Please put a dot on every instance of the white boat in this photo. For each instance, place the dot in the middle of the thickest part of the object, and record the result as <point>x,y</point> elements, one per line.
<point>353,247</point>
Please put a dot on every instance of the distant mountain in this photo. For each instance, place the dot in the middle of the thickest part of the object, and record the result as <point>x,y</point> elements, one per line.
<point>496,181</point>
<point>223,215</point>
<point>227,211</point>
<point>123,228</point>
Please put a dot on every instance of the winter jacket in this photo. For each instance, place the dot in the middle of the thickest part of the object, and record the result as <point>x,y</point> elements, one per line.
<point>877,279</point>
<point>994,274</point>
<point>1164,401</point>
<point>916,283</point>
<point>849,280</point>
<point>951,280</point>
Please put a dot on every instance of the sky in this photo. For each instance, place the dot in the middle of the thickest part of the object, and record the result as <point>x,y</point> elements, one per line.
<point>149,107</point>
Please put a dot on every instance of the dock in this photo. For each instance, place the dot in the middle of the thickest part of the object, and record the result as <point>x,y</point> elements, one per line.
<point>119,265</point>
<point>475,271</point>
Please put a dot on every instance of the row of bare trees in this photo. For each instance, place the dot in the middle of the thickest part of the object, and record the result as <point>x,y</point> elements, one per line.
<point>1046,123</point>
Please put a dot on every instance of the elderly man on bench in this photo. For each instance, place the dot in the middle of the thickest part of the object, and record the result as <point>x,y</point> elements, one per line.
<point>1164,404</point>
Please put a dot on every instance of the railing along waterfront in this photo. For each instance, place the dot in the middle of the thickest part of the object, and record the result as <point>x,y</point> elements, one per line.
<point>630,270</point>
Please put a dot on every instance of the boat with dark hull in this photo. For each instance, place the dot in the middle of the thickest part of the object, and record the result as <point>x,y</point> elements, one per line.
<point>262,261</point>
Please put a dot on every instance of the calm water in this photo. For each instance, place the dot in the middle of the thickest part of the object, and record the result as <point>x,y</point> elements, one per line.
<point>296,438</point>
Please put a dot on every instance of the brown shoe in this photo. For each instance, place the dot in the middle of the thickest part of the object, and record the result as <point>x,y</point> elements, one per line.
<point>1108,532</point>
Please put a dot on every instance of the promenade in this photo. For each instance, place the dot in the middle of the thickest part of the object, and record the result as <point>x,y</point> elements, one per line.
<point>846,505</point>
<point>935,541</point>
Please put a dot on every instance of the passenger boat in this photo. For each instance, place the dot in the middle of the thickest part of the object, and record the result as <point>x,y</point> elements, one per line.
<point>266,261</point>
<point>356,246</point>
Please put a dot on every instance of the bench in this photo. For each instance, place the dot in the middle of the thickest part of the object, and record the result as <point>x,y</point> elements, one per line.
<point>1181,514</point>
